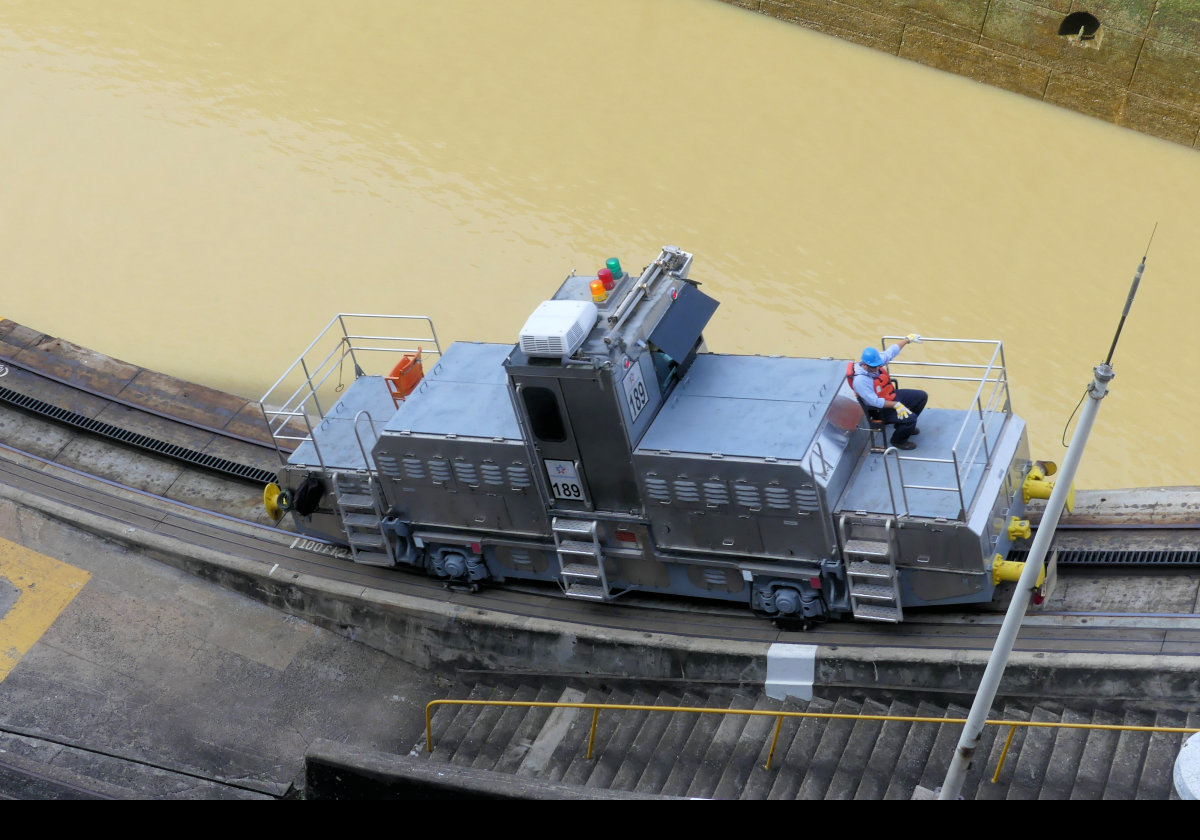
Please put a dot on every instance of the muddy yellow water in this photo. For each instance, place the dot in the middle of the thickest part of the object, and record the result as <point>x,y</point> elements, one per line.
<point>199,187</point>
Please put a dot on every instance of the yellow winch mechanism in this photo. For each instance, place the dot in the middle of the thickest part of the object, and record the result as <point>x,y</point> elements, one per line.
<point>1039,485</point>
<point>1011,570</point>
<point>276,501</point>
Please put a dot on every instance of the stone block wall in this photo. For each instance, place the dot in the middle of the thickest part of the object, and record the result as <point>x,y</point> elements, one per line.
<point>1135,63</point>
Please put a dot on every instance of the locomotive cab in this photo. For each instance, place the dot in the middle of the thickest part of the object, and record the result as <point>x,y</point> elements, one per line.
<point>585,407</point>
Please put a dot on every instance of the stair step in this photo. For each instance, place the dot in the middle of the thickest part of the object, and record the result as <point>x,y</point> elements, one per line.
<point>581,570</point>
<point>881,766</point>
<point>503,732</point>
<point>362,520</point>
<point>586,592</point>
<point>557,726</point>
<point>790,767</point>
<point>361,540</point>
<point>527,732</point>
<point>864,737</point>
<point>574,526</point>
<point>577,547</point>
<point>835,735</point>
<point>646,740</point>
<point>873,592</point>
<point>360,501</point>
<point>865,569</point>
<point>614,751</point>
<point>1029,766</point>
<point>374,558</point>
<point>876,613</point>
<point>867,548</point>
<point>665,750</point>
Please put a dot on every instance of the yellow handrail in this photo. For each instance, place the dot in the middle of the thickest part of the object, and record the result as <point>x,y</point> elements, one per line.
<point>780,715</point>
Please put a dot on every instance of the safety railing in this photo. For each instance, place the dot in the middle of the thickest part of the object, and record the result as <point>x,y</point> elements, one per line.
<point>366,344</point>
<point>780,716</point>
<point>987,410</point>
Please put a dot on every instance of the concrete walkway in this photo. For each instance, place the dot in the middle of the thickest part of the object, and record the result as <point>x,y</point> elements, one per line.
<point>144,681</point>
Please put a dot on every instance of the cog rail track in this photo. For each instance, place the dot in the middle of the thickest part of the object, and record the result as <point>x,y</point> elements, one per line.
<point>50,412</point>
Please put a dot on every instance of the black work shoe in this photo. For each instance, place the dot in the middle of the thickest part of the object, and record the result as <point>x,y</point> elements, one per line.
<point>907,445</point>
<point>914,432</point>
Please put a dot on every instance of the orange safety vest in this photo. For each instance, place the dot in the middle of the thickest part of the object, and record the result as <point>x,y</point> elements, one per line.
<point>885,388</point>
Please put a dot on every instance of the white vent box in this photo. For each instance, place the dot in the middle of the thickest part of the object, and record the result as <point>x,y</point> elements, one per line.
<point>557,328</point>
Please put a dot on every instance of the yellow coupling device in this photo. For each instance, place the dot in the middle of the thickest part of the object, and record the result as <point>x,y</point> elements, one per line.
<point>1011,570</point>
<point>271,495</point>
<point>1018,529</point>
<point>1039,485</point>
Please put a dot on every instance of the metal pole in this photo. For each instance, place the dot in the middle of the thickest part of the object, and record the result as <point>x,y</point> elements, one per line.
<point>969,741</point>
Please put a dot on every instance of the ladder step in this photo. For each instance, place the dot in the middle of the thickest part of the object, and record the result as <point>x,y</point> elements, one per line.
<point>367,540</point>
<point>579,570</point>
<point>575,526</point>
<point>873,592</point>
<point>362,501</point>
<point>373,558</point>
<point>874,613</point>
<point>867,548</point>
<point>585,591</point>
<point>362,520</point>
<point>576,547</point>
<point>864,569</point>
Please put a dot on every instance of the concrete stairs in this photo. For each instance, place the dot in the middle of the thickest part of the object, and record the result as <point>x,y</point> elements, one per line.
<point>679,754</point>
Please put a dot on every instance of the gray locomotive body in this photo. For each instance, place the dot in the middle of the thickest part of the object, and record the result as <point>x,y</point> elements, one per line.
<point>608,451</point>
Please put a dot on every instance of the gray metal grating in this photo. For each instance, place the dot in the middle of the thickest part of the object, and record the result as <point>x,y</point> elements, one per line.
<point>140,441</point>
<point>1110,557</point>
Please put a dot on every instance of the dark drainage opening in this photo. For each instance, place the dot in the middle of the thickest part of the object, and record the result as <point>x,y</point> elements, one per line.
<point>1082,25</point>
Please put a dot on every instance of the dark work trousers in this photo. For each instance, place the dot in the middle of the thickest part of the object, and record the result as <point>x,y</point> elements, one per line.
<point>914,401</point>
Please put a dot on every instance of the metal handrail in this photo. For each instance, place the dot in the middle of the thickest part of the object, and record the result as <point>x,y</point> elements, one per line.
<point>347,336</point>
<point>780,715</point>
<point>972,434</point>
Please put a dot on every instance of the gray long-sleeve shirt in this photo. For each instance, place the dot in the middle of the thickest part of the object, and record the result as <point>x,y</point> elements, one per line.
<point>864,383</point>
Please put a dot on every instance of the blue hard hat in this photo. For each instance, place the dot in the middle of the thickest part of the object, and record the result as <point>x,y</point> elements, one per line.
<point>872,357</point>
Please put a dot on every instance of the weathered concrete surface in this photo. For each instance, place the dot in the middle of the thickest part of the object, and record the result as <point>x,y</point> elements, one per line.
<point>153,683</point>
<point>1139,69</point>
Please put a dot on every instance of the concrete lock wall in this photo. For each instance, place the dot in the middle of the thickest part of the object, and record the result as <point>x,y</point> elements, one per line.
<point>1135,63</point>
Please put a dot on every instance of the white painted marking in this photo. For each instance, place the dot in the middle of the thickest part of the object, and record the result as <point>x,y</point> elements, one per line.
<point>1187,769</point>
<point>790,670</point>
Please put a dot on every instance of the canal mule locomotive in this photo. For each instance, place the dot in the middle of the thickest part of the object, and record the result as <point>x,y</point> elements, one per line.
<point>608,451</point>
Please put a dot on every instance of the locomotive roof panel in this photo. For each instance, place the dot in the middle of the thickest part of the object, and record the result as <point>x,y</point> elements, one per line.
<point>335,433</point>
<point>747,406</point>
<point>464,394</point>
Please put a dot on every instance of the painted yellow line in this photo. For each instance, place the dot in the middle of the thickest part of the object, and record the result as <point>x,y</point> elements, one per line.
<point>44,588</point>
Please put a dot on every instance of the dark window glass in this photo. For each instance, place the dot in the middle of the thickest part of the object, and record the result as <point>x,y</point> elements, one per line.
<point>544,417</point>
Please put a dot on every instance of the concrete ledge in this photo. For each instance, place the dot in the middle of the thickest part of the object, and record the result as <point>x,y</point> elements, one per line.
<point>335,771</point>
<point>439,636</point>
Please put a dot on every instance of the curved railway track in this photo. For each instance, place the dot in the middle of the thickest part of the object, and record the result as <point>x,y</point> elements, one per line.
<point>187,500</point>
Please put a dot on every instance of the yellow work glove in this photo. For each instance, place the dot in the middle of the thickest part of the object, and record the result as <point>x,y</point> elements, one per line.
<point>913,338</point>
<point>902,411</point>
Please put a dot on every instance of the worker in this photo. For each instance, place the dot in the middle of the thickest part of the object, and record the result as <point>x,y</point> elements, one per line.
<point>900,407</point>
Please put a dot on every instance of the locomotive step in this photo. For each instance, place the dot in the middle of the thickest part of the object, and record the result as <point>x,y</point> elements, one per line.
<point>873,592</point>
<point>362,520</point>
<point>584,591</point>
<point>865,569</point>
<point>361,501</point>
<point>373,558</point>
<point>873,613</point>
<point>867,548</point>
<point>575,526</point>
<point>577,547</point>
<point>367,540</point>
<point>578,570</point>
